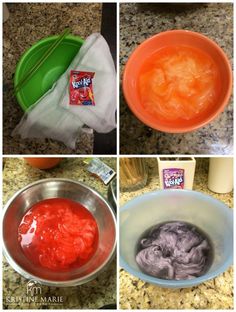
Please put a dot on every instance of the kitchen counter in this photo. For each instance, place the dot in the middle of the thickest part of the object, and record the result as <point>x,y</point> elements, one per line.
<point>214,294</point>
<point>92,295</point>
<point>140,21</point>
<point>28,23</point>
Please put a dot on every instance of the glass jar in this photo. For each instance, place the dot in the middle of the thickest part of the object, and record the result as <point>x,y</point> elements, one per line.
<point>133,173</point>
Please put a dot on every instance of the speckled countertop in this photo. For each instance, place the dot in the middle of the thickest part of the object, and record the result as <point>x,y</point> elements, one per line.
<point>214,294</point>
<point>140,21</point>
<point>28,23</point>
<point>92,295</point>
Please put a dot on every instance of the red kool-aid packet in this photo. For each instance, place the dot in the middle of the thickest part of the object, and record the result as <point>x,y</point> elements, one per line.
<point>81,88</point>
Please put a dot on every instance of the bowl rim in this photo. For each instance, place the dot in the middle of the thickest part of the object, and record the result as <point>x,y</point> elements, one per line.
<point>175,283</point>
<point>73,282</point>
<point>24,56</point>
<point>189,128</point>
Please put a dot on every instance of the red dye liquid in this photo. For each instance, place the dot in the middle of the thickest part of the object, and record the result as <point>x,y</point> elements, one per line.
<point>58,234</point>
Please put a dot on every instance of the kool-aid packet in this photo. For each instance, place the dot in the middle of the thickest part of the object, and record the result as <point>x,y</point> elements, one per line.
<point>81,88</point>
<point>173,178</point>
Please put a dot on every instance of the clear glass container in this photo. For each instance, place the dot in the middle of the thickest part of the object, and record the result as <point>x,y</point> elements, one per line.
<point>133,173</point>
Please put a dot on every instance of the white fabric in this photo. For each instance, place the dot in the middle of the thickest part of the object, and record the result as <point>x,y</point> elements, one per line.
<point>52,116</point>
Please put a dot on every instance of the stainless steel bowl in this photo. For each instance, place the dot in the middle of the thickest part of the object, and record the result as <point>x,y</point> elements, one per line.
<point>59,188</point>
<point>112,194</point>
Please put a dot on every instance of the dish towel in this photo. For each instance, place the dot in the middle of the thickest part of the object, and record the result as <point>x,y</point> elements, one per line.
<point>53,117</point>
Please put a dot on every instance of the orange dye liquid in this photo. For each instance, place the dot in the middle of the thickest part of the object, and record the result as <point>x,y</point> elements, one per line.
<point>178,82</point>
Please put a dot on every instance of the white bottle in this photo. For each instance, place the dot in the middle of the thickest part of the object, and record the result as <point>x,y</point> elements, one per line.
<point>220,176</point>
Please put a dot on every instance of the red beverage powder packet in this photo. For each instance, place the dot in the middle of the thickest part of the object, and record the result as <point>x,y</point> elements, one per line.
<point>81,88</point>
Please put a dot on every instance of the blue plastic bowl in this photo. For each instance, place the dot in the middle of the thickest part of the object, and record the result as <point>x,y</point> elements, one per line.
<point>206,212</point>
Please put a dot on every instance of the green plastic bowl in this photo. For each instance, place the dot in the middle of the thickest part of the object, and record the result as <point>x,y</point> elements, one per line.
<point>49,72</point>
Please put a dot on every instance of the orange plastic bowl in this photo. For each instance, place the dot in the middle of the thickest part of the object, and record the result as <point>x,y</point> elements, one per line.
<point>43,162</point>
<point>171,38</point>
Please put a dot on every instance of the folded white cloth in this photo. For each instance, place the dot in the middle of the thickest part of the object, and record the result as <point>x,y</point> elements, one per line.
<point>52,116</point>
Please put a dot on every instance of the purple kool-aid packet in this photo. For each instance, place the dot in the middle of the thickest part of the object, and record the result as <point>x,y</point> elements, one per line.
<point>173,178</point>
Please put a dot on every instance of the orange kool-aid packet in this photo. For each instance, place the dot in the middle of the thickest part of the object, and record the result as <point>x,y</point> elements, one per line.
<point>81,88</point>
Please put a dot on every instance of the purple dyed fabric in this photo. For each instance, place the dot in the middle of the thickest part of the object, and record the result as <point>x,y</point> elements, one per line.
<point>174,250</point>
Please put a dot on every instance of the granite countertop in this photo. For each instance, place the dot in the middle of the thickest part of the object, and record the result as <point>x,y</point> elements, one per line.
<point>140,21</point>
<point>92,295</point>
<point>28,23</point>
<point>214,294</point>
